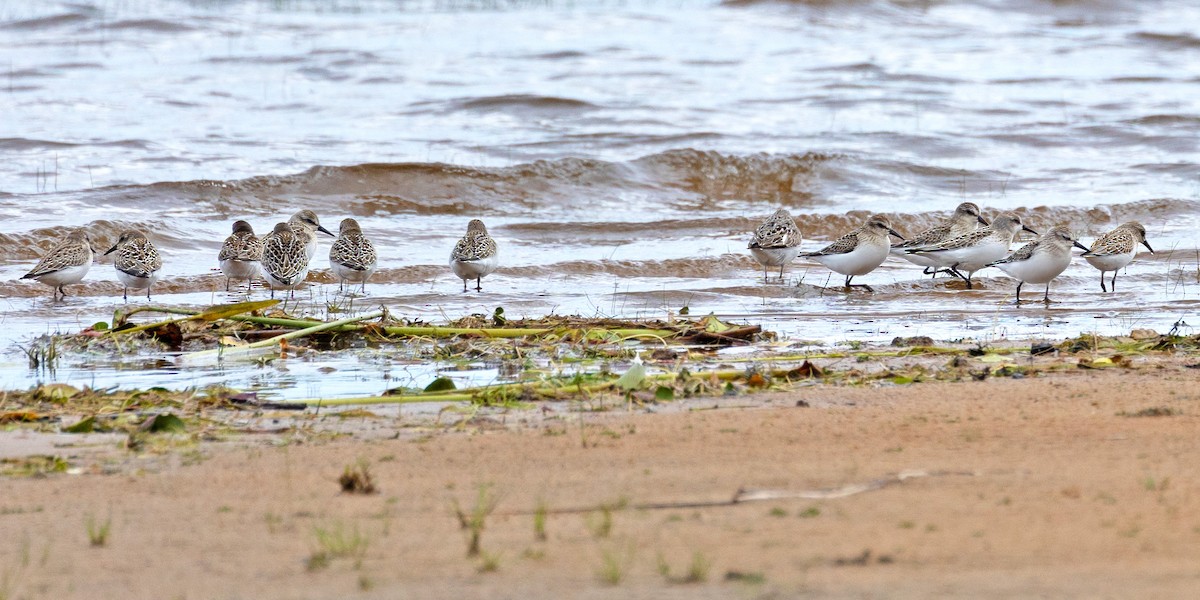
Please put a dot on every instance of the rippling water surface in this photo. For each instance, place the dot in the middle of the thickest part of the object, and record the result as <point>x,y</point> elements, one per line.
<point>620,153</point>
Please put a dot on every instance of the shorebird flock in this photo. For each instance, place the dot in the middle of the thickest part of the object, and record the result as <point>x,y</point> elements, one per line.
<point>962,245</point>
<point>281,258</point>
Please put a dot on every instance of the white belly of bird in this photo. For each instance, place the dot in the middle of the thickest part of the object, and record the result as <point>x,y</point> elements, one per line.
<point>474,269</point>
<point>775,257</point>
<point>344,273</point>
<point>1112,262</point>
<point>1042,267</point>
<point>310,247</point>
<point>860,261</point>
<point>280,284</point>
<point>135,282</point>
<point>917,259</point>
<point>240,269</point>
<point>67,276</point>
<point>972,258</point>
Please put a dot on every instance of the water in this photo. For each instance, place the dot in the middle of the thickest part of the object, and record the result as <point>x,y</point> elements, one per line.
<point>619,152</point>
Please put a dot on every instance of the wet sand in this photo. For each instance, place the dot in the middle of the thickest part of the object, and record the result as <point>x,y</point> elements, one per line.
<point>1037,486</point>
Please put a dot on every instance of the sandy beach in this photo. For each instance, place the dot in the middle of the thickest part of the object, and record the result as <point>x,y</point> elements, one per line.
<point>1064,485</point>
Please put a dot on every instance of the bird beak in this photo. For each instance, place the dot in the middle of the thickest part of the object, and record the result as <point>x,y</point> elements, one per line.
<point>1024,228</point>
<point>110,250</point>
<point>982,220</point>
<point>893,232</point>
<point>1147,245</point>
<point>325,231</point>
<point>1081,247</point>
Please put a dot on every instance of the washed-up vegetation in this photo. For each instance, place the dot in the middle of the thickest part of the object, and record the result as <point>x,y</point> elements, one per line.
<point>594,364</point>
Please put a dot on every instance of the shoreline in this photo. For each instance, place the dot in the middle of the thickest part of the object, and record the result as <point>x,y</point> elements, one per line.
<point>1067,483</point>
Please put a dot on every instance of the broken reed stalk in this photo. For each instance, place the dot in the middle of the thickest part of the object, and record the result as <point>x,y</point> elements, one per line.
<point>213,313</point>
<point>269,343</point>
<point>404,331</point>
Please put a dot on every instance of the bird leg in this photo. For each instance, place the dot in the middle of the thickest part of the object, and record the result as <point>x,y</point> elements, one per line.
<point>1102,287</point>
<point>1047,298</point>
<point>849,286</point>
<point>1019,284</point>
<point>1113,283</point>
<point>479,284</point>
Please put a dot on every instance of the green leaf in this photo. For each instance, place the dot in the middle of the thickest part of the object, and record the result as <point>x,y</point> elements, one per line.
<point>664,393</point>
<point>164,423</point>
<point>224,311</point>
<point>87,425</point>
<point>99,326</point>
<point>901,380</point>
<point>56,392</point>
<point>632,379</point>
<point>714,325</point>
<point>441,384</point>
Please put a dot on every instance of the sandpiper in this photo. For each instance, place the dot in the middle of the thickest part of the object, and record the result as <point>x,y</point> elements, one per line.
<point>137,262</point>
<point>474,256</point>
<point>352,256</point>
<point>975,250</point>
<point>65,264</point>
<point>776,242</point>
<point>966,218</point>
<point>1041,260</point>
<point>1115,249</point>
<point>241,254</point>
<point>306,225</point>
<point>858,252</point>
<point>284,261</point>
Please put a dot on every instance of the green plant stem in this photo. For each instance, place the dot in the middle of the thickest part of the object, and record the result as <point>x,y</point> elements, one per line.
<point>213,313</point>
<point>271,342</point>
<point>426,331</point>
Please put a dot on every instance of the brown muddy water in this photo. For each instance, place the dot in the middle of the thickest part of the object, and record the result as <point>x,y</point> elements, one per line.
<point>620,153</point>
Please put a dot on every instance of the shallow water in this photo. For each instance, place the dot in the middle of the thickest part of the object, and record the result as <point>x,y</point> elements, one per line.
<point>619,152</point>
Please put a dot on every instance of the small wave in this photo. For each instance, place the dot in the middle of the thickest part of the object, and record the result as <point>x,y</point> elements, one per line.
<point>519,102</point>
<point>19,144</point>
<point>255,60</point>
<point>30,74</point>
<point>60,20</point>
<point>1187,120</point>
<point>1182,41</point>
<point>77,65</point>
<point>323,74</point>
<point>683,175</point>
<point>560,55</point>
<point>757,176</point>
<point>716,266</point>
<point>859,67</point>
<point>150,25</point>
